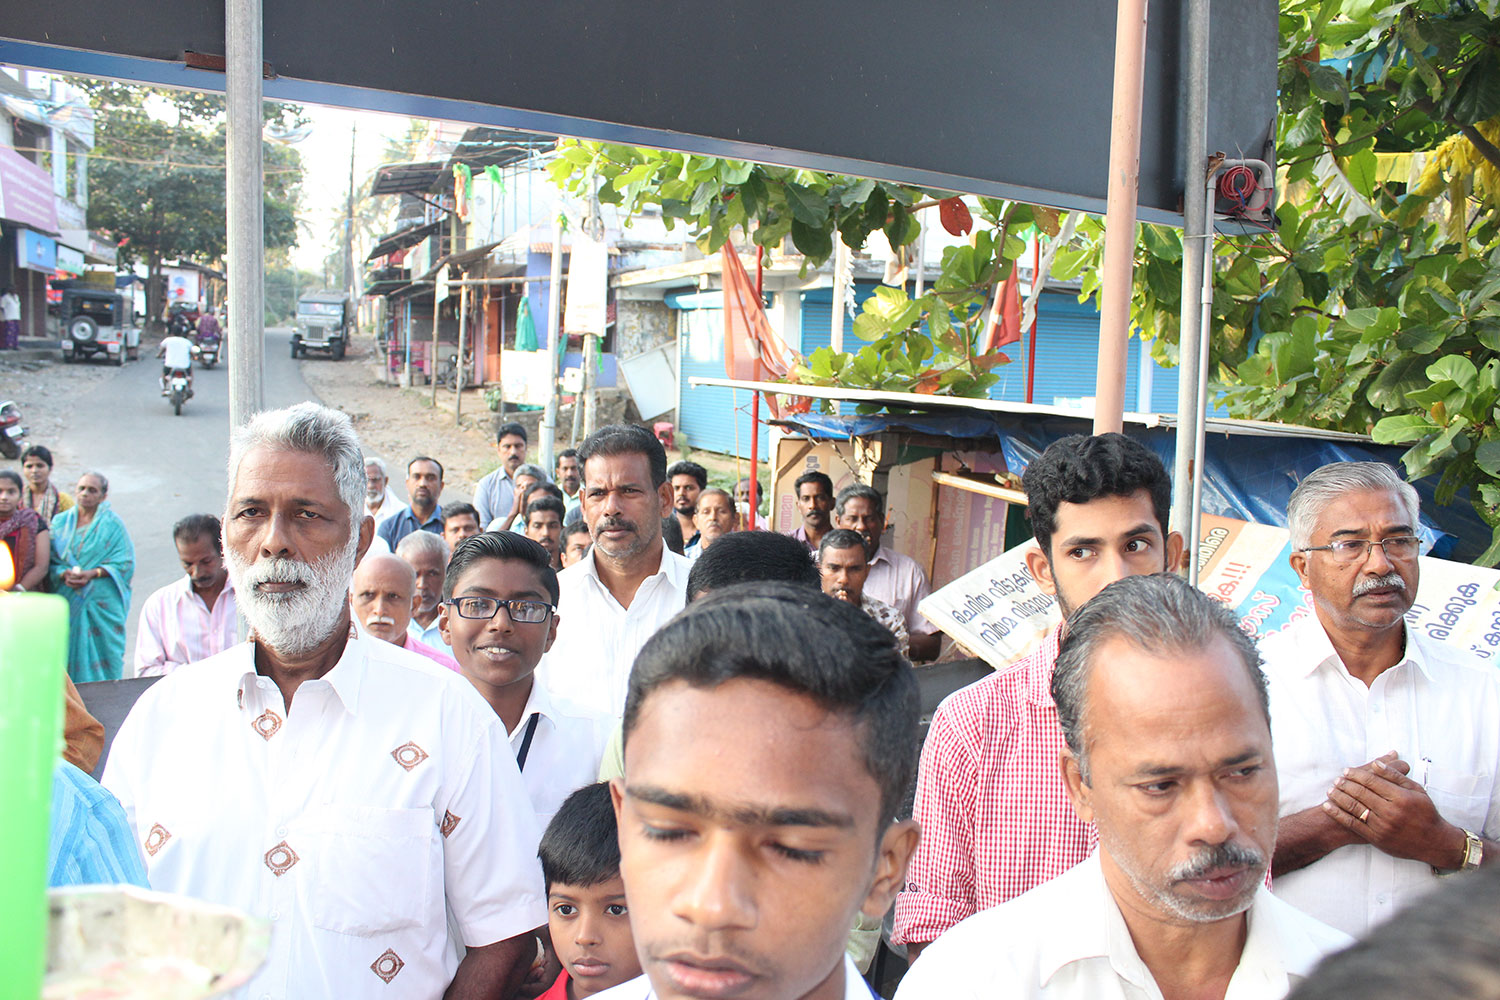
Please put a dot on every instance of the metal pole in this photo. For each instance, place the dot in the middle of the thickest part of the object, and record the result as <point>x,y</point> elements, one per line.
<point>458,374</point>
<point>432,356</point>
<point>244,208</point>
<point>590,383</point>
<point>1195,227</point>
<point>1200,405</point>
<point>1036,278</point>
<point>921,265</point>
<point>554,325</point>
<point>836,319</point>
<point>760,281</point>
<point>1119,220</point>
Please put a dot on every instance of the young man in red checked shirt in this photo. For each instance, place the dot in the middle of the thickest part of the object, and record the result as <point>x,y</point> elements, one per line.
<point>994,813</point>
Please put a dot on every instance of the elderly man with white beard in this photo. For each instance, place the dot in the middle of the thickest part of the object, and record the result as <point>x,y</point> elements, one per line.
<point>355,794</point>
<point>1163,708</point>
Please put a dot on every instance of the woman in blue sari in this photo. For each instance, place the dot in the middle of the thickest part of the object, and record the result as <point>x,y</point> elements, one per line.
<point>92,563</point>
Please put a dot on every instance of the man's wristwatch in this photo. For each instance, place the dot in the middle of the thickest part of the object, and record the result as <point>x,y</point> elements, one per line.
<point>1473,855</point>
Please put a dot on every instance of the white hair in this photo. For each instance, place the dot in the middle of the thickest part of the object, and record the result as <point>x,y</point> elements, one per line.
<point>423,543</point>
<point>379,463</point>
<point>1337,480</point>
<point>314,430</point>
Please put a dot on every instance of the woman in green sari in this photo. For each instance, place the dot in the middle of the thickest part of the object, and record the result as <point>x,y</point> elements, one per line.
<point>92,563</point>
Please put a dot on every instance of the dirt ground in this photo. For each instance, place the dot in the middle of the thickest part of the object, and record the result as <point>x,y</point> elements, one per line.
<point>49,393</point>
<point>398,424</point>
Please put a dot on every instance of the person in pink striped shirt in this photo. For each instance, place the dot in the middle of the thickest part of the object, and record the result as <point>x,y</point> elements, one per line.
<point>381,597</point>
<point>195,617</point>
<point>995,815</point>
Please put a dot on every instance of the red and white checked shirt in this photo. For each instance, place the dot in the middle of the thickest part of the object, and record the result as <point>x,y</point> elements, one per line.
<point>995,815</point>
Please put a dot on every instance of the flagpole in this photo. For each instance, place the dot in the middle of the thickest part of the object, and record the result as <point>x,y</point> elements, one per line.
<point>755,399</point>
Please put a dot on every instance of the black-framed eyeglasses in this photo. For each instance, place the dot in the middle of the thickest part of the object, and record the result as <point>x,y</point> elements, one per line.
<point>1350,550</point>
<point>484,608</point>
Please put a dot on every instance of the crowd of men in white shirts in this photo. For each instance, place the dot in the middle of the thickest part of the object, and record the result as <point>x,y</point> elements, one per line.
<point>1149,806</point>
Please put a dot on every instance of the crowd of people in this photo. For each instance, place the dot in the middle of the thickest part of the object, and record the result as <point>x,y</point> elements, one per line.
<point>587,735</point>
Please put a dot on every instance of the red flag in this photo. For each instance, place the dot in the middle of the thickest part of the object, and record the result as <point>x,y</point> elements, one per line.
<point>1004,324</point>
<point>752,350</point>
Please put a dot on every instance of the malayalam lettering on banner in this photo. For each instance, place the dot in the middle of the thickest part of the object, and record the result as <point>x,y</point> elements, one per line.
<point>996,612</point>
<point>999,614</point>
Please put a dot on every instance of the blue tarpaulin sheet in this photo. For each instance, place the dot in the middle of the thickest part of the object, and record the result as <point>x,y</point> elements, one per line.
<point>1249,476</point>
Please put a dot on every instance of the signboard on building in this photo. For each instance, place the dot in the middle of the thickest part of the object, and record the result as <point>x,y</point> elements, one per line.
<point>182,285</point>
<point>999,614</point>
<point>26,192</point>
<point>69,261</point>
<point>35,251</point>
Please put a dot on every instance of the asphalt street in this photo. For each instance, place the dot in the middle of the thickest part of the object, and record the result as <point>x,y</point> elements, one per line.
<point>163,467</point>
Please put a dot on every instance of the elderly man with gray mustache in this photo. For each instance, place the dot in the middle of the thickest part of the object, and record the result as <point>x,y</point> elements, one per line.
<point>1387,740</point>
<point>355,794</point>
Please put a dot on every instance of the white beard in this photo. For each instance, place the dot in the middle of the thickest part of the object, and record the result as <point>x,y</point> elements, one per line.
<point>294,623</point>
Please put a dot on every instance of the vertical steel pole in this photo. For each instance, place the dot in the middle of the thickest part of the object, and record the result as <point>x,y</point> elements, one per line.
<point>554,329</point>
<point>1196,225</point>
<point>244,210</point>
<point>1119,221</point>
<point>458,374</point>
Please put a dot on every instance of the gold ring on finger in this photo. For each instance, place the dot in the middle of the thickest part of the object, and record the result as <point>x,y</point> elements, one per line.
<point>1364,817</point>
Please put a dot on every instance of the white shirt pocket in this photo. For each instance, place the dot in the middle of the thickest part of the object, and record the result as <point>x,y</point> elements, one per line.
<point>374,871</point>
<point>1461,798</point>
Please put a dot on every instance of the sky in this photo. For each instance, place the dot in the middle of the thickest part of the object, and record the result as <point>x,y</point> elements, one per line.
<point>325,182</point>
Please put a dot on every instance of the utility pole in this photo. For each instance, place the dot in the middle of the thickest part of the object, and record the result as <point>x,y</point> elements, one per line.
<point>349,288</point>
<point>245,208</point>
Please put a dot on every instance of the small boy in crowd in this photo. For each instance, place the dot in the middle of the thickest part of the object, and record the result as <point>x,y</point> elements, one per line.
<point>586,910</point>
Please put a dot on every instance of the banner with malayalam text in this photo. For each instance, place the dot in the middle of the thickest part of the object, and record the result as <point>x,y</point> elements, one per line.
<point>999,614</point>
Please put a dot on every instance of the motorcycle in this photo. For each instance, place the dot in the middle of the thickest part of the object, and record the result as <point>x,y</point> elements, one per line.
<point>178,391</point>
<point>206,350</point>
<point>12,431</point>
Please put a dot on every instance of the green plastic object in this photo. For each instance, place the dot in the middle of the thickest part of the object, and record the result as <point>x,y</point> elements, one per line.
<point>33,656</point>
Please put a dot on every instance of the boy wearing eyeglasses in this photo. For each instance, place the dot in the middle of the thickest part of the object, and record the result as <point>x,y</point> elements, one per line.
<point>1387,738</point>
<point>499,616</point>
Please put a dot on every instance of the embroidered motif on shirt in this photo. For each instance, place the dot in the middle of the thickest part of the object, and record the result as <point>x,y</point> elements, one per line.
<point>449,822</point>
<point>156,837</point>
<point>266,724</point>
<point>239,698</point>
<point>387,965</point>
<point>281,858</point>
<point>409,755</point>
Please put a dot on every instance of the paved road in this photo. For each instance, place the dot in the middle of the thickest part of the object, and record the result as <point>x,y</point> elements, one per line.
<point>163,467</point>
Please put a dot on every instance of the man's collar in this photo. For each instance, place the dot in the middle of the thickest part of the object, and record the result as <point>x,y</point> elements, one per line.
<point>1312,641</point>
<point>881,556</point>
<point>672,568</point>
<point>539,702</point>
<point>346,677</point>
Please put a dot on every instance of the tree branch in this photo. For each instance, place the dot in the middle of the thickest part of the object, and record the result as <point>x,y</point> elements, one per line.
<point>1486,148</point>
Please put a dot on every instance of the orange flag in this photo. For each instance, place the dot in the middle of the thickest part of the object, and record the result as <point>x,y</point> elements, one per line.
<point>1004,324</point>
<point>752,350</point>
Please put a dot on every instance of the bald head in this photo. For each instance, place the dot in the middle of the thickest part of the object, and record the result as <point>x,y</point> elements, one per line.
<point>381,596</point>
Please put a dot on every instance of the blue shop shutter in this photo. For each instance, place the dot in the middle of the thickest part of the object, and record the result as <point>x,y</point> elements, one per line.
<point>712,418</point>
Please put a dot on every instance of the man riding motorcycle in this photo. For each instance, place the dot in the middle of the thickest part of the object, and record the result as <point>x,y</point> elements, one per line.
<point>178,354</point>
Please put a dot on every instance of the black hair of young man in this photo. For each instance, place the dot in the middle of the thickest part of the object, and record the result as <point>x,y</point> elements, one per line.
<point>840,538</point>
<point>1081,468</point>
<point>452,510</point>
<point>805,642</point>
<point>503,545</point>
<point>506,430</point>
<point>671,534</point>
<point>626,439</point>
<point>693,469</point>
<point>199,526</point>
<point>749,556</point>
<point>581,845</point>
<point>820,478</point>
<point>426,458</point>
<point>544,502</point>
<point>576,528</point>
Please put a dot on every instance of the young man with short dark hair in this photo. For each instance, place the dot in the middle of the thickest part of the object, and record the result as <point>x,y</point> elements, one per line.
<point>844,567</point>
<point>499,617</point>
<point>687,479</point>
<point>996,818</point>
<point>745,867</point>
<point>544,525</point>
<point>424,484</point>
<point>575,543</point>
<point>460,521</point>
<point>194,617</point>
